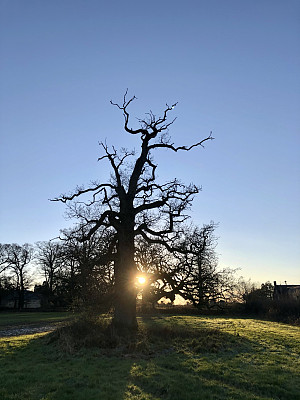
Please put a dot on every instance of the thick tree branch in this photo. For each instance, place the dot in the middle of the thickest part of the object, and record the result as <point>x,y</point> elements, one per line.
<point>186,148</point>
<point>80,191</point>
<point>126,115</point>
<point>111,157</point>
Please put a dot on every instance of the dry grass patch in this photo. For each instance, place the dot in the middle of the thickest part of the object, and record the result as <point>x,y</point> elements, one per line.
<point>156,335</point>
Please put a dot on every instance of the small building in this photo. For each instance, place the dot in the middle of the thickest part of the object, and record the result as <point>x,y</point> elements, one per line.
<point>286,292</point>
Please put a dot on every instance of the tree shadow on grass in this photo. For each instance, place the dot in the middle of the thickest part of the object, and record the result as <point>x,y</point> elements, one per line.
<point>180,377</point>
<point>38,369</point>
<point>165,359</point>
<point>79,363</point>
<point>207,363</point>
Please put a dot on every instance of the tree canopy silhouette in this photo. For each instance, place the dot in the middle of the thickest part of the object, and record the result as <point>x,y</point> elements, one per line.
<point>133,204</point>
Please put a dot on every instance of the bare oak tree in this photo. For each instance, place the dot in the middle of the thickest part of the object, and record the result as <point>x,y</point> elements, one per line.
<point>4,259</point>
<point>132,203</point>
<point>48,257</point>
<point>92,262</point>
<point>19,258</point>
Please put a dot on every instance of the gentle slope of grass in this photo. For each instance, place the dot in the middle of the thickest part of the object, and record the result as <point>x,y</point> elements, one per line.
<point>176,357</point>
<point>18,318</point>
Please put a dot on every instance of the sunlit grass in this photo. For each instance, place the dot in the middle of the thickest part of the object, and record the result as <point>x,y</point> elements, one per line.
<point>176,357</point>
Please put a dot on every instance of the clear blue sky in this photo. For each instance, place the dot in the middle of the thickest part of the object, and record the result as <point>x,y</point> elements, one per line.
<point>233,66</point>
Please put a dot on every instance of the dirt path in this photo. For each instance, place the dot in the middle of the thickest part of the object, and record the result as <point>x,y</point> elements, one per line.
<point>19,330</point>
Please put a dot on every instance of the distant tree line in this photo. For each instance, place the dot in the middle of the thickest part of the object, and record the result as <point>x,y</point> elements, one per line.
<point>260,301</point>
<point>71,273</point>
<point>80,273</point>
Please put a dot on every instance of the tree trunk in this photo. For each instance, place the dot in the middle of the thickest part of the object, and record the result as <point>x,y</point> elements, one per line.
<point>125,289</point>
<point>21,294</point>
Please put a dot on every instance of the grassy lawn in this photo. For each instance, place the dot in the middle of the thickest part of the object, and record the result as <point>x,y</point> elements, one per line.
<point>23,318</point>
<point>205,358</point>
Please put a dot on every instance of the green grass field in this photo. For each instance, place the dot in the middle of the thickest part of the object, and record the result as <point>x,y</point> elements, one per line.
<point>18,318</point>
<point>188,358</point>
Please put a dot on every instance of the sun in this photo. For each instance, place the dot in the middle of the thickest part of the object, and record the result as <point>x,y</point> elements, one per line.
<point>141,280</point>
